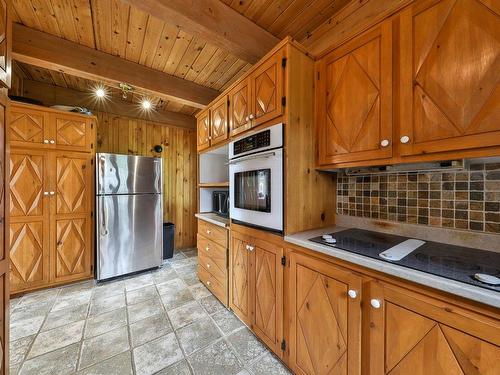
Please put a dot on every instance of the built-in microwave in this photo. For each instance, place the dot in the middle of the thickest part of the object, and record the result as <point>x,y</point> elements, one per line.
<point>256,179</point>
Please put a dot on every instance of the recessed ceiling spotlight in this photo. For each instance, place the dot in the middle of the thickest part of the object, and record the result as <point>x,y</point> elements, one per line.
<point>146,104</point>
<point>100,92</point>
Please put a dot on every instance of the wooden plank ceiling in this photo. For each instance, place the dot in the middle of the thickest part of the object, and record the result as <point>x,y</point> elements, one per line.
<point>114,27</point>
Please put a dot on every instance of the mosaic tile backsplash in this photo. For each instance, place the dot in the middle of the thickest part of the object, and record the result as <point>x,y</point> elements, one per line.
<point>463,200</point>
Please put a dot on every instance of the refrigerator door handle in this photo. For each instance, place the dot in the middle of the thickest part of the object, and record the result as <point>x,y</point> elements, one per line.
<point>104,226</point>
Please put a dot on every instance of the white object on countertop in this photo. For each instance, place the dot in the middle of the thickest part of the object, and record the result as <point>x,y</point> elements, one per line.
<point>401,250</point>
<point>488,279</point>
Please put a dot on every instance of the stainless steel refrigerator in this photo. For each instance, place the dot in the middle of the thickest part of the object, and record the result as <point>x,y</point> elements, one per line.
<point>129,214</point>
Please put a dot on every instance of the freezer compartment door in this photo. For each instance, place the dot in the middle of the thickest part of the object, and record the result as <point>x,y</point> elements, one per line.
<point>129,234</point>
<point>128,174</point>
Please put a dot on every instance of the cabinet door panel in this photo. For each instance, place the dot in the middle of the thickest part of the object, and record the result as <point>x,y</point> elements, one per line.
<point>203,131</point>
<point>420,335</point>
<point>268,303</point>
<point>73,248</point>
<point>72,133</point>
<point>28,127</point>
<point>267,90</point>
<point>5,42</point>
<point>218,121</point>
<point>239,108</point>
<point>354,99</point>
<point>450,59</point>
<point>29,219</point>
<point>71,241</point>
<point>240,289</point>
<point>325,330</point>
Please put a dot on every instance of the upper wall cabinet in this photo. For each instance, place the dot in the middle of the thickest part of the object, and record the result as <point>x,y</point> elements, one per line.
<point>239,108</point>
<point>354,99</point>
<point>450,64</point>
<point>5,43</point>
<point>218,121</point>
<point>266,83</point>
<point>203,138</point>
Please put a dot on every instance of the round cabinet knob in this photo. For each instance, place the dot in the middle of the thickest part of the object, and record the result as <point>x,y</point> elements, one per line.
<point>45,141</point>
<point>209,283</point>
<point>384,143</point>
<point>375,303</point>
<point>251,116</point>
<point>208,231</point>
<point>247,118</point>
<point>45,193</point>
<point>352,293</point>
<point>251,248</point>
<point>207,248</point>
<point>208,265</point>
<point>52,141</point>
<point>405,139</point>
<point>209,137</point>
<point>52,192</point>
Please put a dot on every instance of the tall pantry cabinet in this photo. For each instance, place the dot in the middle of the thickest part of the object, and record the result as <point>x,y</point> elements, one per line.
<point>51,194</point>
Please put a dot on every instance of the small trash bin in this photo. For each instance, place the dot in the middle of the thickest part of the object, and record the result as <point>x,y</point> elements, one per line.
<point>168,240</point>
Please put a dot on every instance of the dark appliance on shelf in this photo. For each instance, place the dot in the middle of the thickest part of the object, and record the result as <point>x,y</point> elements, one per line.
<point>220,203</point>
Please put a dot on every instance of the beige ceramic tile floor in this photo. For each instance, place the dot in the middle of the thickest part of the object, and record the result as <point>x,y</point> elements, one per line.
<point>161,322</point>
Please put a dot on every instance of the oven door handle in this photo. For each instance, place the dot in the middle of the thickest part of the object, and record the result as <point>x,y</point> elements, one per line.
<point>250,157</point>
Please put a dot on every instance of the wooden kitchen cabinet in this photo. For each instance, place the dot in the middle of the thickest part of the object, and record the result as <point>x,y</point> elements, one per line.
<point>71,249</point>
<point>51,195</point>
<point>239,108</point>
<point>256,286</point>
<point>354,99</point>
<point>203,130</point>
<point>219,131</point>
<point>413,333</point>
<point>212,244</point>
<point>449,84</point>
<point>325,323</point>
<point>267,85</point>
<point>29,219</point>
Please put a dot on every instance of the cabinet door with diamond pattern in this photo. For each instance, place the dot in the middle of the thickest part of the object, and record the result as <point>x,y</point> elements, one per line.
<point>240,290</point>
<point>267,90</point>
<point>354,99</point>
<point>414,334</point>
<point>218,121</point>
<point>72,133</point>
<point>239,108</point>
<point>450,81</point>
<point>203,130</point>
<point>267,314</point>
<point>325,325</point>
<point>28,127</point>
<point>71,245</point>
<point>29,219</point>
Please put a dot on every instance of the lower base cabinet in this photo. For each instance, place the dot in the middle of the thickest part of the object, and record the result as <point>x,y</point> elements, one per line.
<point>256,287</point>
<point>320,316</point>
<point>325,318</point>
<point>410,333</point>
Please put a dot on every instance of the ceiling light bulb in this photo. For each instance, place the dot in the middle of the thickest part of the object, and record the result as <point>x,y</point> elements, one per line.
<point>146,104</point>
<point>100,93</point>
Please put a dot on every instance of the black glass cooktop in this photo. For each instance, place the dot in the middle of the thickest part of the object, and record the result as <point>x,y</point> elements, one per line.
<point>453,262</point>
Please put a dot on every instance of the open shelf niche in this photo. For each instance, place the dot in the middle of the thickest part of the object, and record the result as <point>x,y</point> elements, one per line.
<point>213,175</point>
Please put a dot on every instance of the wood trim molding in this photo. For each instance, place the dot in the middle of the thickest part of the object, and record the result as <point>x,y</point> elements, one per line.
<point>213,21</point>
<point>51,95</point>
<point>51,52</point>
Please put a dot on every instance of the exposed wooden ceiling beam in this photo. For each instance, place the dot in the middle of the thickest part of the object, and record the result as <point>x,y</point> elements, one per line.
<point>215,22</point>
<point>51,52</point>
<point>50,95</point>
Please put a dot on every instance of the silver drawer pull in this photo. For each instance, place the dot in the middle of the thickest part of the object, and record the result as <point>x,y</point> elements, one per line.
<point>45,141</point>
<point>251,248</point>
<point>52,141</point>
<point>375,303</point>
<point>352,293</point>
<point>208,265</point>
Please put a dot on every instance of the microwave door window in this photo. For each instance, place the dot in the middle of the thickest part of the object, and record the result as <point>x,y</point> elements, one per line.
<point>253,190</point>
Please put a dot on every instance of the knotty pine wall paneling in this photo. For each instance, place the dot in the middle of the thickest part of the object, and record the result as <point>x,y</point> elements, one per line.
<point>125,135</point>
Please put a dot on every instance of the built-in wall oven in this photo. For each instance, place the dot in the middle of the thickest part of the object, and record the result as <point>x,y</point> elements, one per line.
<point>256,179</point>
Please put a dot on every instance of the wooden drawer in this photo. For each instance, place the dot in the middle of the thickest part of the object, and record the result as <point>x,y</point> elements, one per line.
<point>213,232</point>
<point>210,248</point>
<point>218,289</point>
<point>215,266</point>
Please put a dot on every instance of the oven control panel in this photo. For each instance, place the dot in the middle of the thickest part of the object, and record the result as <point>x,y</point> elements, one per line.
<point>253,142</point>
